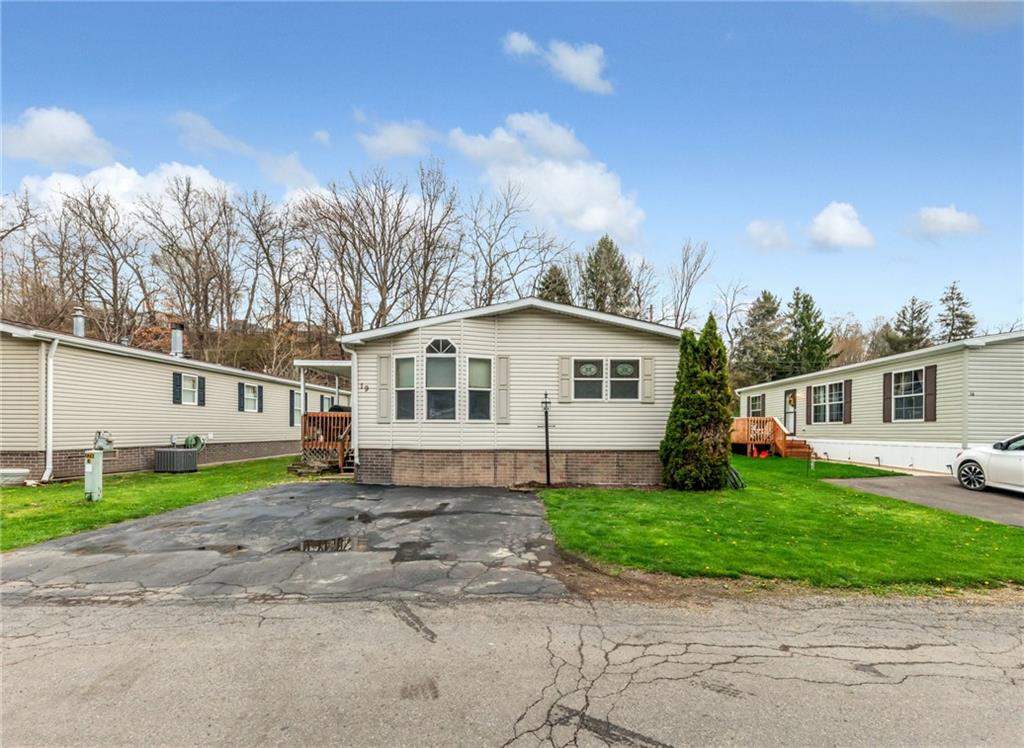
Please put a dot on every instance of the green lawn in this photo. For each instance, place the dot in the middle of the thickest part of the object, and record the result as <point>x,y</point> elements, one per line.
<point>786,525</point>
<point>31,514</point>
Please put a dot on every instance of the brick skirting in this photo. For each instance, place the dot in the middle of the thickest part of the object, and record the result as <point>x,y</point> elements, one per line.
<point>68,463</point>
<point>412,467</point>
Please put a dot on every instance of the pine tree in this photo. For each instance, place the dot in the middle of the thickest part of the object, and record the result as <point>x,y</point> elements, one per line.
<point>554,286</point>
<point>956,321</point>
<point>912,328</point>
<point>758,350</point>
<point>695,451</point>
<point>808,346</point>
<point>605,280</point>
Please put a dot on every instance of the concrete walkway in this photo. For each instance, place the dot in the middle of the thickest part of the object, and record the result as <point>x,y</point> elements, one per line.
<point>943,492</point>
<point>325,541</point>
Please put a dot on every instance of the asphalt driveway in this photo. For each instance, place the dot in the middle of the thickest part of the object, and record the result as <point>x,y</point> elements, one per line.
<point>943,492</point>
<point>305,541</point>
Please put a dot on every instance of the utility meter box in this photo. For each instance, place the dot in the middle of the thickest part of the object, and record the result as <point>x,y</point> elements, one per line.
<point>93,474</point>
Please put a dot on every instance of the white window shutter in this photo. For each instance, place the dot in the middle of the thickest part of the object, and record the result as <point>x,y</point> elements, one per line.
<point>502,391</point>
<point>564,379</point>
<point>647,379</point>
<point>383,389</point>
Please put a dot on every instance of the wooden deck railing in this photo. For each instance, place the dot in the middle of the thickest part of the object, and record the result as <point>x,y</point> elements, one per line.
<point>326,436</point>
<point>763,431</point>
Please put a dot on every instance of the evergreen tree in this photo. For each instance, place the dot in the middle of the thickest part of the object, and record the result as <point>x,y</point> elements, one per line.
<point>912,328</point>
<point>554,286</point>
<point>695,451</point>
<point>956,321</point>
<point>808,346</point>
<point>758,350</point>
<point>605,280</point>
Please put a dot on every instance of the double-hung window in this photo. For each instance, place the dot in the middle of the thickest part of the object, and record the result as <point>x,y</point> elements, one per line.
<point>440,380</point>
<point>479,399</point>
<point>296,408</point>
<point>405,389</point>
<point>189,389</point>
<point>588,379</point>
<point>908,395</point>
<point>756,406</point>
<point>827,403</point>
<point>624,379</point>
<point>252,398</point>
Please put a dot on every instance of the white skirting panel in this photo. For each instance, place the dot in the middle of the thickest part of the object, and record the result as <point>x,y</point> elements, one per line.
<point>930,456</point>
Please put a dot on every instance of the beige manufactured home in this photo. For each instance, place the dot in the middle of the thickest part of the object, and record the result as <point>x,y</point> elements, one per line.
<point>913,410</point>
<point>459,399</point>
<point>58,390</point>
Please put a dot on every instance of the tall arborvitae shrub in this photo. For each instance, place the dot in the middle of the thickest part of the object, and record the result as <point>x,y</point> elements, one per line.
<point>695,450</point>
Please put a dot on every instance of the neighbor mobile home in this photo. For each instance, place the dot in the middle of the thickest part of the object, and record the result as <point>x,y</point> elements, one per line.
<point>58,390</point>
<point>460,399</point>
<point>914,409</point>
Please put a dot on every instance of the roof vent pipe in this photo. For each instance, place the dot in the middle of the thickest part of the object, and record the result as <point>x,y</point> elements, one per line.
<point>177,339</point>
<point>78,322</point>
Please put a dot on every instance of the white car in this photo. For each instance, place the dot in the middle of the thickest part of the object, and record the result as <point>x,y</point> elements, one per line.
<point>998,466</point>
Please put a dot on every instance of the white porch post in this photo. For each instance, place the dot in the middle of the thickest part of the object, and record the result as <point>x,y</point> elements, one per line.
<point>302,389</point>
<point>337,392</point>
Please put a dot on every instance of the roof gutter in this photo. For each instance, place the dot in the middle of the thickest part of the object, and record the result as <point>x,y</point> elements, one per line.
<point>51,362</point>
<point>354,403</point>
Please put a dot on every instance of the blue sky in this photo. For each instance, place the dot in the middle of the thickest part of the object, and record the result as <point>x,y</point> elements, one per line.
<point>863,152</point>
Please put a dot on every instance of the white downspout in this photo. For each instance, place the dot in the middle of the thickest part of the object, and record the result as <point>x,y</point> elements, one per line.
<point>354,403</point>
<point>51,356</point>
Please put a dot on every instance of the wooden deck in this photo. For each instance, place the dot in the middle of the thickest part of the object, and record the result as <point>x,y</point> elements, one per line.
<point>767,433</point>
<point>327,438</point>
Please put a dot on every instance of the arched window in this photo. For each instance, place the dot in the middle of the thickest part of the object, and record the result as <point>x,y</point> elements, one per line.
<point>441,380</point>
<point>441,345</point>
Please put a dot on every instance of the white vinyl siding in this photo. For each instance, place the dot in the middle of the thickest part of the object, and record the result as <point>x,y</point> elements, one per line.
<point>22,393</point>
<point>134,403</point>
<point>995,392</point>
<point>534,341</point>
<point>866,406</point>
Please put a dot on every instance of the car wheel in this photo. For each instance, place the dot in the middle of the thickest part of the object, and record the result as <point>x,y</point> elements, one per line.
<point>971,476</point>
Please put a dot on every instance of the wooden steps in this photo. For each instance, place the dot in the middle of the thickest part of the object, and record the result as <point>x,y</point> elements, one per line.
<point>768,434</point>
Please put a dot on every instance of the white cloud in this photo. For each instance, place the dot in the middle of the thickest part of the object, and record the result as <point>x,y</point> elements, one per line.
<point>582,65</point>
<point>565,186</point>
<point>322,137</point>
<point>55,137</point>
<point>199,134</point>
<point>123,183</point>
<point>518,43</point>
<point>768,234</point>
<point>392,139</point>
<point>936,222</point>
<point>838,225</point>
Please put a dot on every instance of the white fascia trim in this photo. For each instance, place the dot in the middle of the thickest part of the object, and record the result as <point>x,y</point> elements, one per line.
<point>909,355</point>
<point>114,349</point>
<point>356,338</point>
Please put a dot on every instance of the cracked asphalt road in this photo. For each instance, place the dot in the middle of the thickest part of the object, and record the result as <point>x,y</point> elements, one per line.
<point>389,542</point>
<point>500,671</point>
<point>212,625</point>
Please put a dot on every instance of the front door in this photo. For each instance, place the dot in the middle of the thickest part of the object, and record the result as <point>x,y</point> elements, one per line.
<point>789,412</point>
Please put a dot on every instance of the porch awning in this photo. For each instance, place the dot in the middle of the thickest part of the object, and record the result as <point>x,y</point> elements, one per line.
<point>335,367</point>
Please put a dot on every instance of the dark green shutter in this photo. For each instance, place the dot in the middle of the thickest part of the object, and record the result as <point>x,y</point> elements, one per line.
<point>291,407</point>
<point>259,398</point>
<point>176,388</point>
<point>201,392</point>
<point>241,396</point>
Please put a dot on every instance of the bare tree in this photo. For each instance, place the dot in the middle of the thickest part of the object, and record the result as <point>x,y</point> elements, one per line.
<point>435,247</point>
<point>644,291</point>
<point>16,215</point>
<point>115,263</point>
<point>694,263</point>
<point>850,343</point>
<point>732,306</point>
<point>196,235</point>
<point>506,256</point>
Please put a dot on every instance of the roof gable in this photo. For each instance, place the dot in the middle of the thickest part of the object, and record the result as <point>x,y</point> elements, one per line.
<point>531,302</point>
